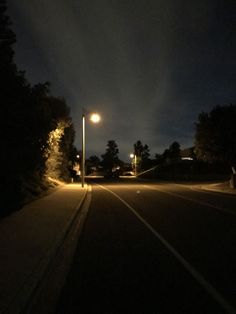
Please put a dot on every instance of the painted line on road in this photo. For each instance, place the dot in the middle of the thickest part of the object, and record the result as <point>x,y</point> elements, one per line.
<point>195,274</point>
<point>202,189</point>
<point>192,200</point>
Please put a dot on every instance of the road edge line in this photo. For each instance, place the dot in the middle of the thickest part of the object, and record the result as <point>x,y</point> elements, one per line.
<point>192,271</point>
<point>220,209</point>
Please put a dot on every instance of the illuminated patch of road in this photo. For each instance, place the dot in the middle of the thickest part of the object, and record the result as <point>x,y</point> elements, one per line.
<point>189,268</point>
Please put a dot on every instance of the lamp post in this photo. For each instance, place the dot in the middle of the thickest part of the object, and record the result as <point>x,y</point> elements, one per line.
<point>95,118</point>
<point>133,156</point>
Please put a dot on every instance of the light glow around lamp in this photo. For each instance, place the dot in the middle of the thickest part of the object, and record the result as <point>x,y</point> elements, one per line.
<point>95,117</point>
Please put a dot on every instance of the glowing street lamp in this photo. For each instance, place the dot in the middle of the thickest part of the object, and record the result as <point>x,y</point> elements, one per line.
<point>95,118</point>
<point>133,156</point>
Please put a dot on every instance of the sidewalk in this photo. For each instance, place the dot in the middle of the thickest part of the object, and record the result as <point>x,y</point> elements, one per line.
<point>29,238</point>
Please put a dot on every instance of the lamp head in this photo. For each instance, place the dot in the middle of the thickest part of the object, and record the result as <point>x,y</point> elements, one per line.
<point>95,117</point>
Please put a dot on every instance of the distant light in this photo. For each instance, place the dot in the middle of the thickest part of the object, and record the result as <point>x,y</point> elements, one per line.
<point>187,158</point>
<point>131,155</point>
<point>78,156</point>
<point>95,117</point>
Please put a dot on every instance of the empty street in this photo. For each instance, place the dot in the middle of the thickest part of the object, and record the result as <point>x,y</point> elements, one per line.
<point>151,247</point>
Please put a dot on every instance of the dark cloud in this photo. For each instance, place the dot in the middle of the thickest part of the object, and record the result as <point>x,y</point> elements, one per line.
<point>148,66</point>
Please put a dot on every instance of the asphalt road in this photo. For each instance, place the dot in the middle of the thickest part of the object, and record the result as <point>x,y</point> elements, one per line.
<point>154,248</point>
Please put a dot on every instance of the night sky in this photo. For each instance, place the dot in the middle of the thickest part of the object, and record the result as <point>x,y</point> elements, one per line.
<point>148,66</point>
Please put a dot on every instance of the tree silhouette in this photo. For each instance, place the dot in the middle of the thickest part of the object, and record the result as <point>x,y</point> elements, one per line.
<point>174,151</point>
<point>110,160</point>
<point>7,39</point>
<point>14,98</point>
<point>92,163</point>
<point>172,154</point>
<point>28,116</point>
<point>142,153</point>
<point>215,138</point>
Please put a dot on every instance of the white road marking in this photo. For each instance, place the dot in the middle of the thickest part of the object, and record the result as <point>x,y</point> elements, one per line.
<point>199,189</point>
<point>190,269</point>
<point>219,208</point>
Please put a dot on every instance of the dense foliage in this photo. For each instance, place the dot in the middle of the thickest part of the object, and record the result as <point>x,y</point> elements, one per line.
<point>110,160</point>
<point>30,116</point>
<point>215,138</point>
<point>142,153</point>
<point>172,154</point>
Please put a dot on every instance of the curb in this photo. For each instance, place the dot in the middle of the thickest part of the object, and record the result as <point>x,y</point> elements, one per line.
<point>28,289</point>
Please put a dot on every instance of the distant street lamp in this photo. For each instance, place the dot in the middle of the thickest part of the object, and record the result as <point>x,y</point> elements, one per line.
<point>95,118</point>
<point>134,157</point>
